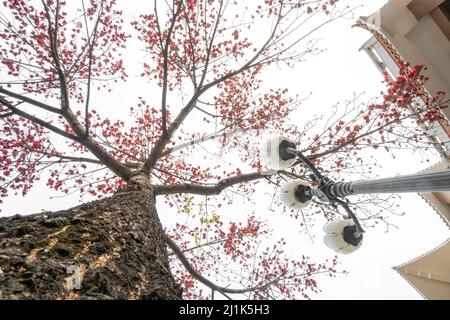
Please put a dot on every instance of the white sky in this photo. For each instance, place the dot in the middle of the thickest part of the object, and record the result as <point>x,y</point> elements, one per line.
<point>331,76</point>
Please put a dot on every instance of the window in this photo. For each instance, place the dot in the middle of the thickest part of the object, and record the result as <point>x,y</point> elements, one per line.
<point>445,8</point>
<point>441,15</point>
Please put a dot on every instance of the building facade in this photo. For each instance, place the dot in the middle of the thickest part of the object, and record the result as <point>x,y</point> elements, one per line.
<point>429,274</point>
<point>418,32</point>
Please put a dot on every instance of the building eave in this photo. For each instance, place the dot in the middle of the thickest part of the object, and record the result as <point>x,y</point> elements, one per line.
<point>386,43</point>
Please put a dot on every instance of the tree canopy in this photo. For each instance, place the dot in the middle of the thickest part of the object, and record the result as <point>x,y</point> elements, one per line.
<point>205,63</point>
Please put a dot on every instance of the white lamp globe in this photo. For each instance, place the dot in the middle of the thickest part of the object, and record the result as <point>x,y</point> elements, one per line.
<point>334,236</point>
<point>287,194</point>
<point>336,226</point>
<point>334,241</point>
<point>270,154</point>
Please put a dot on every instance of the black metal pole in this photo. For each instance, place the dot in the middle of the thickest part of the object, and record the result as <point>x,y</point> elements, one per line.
<point>330,191</point>
<point>422,182</point>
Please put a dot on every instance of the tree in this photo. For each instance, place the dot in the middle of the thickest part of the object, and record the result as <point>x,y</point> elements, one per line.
<point>55,54</point>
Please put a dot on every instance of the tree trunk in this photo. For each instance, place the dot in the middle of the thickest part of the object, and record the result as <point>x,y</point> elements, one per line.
<point>106,249</point>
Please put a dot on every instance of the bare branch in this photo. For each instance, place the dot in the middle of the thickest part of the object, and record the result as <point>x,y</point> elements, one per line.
<point>53,36</point>
<point>204,138</point>
<point>68,114</point>
<point>91,48</point>
<point>164,139</point>
<point>250,63</point>
<point>41,122</point>
<point>201,278</point>
<point>67,158</point>
<point>352,141</point>
<point>166,68</point>
<point>6,115</point>
<point>155,154</point>
<point>96,149</point>
<point>214,189</point>
<point>194,63</point>
<point>30,101</point>
<point>208,53</point>
<point>92,145</point>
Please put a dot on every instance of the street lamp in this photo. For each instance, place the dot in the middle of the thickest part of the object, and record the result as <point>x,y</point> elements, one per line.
<point>345,235</point>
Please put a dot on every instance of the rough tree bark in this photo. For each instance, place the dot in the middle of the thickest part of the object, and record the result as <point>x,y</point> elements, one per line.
<point>107,249</point>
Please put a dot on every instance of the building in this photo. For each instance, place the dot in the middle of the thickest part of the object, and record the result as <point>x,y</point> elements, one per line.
<point>418,32</point>
<point>429,274</point>
<point>439,201</point>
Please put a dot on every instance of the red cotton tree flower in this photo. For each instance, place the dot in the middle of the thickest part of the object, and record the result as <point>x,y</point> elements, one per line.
<point>204,63</point>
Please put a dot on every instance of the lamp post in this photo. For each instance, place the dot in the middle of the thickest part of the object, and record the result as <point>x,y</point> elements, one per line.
<point>344,236</point>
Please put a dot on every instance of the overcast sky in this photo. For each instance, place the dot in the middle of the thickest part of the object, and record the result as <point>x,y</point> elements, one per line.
<point>332,76</point>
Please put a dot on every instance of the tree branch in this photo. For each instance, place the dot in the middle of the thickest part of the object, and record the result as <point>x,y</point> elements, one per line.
<point>166,68</point>
<point>155,154</point>
<point>201,278</point>
<point>351,141</point>
<point>91,48</point>
<point>30,101</point>
<point>214,189</point>
<point>53,37</point>
<point>209,48</point>
<point>68,114</point>
<point>6,115</point>
<point>64,157</point>
<point>96,149</point>
<point>204,138</point>
<point>41,122</point>
<point>90,144</point>
<point>164,139</point>
<point>194,63</point>
<point>250,63</point>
